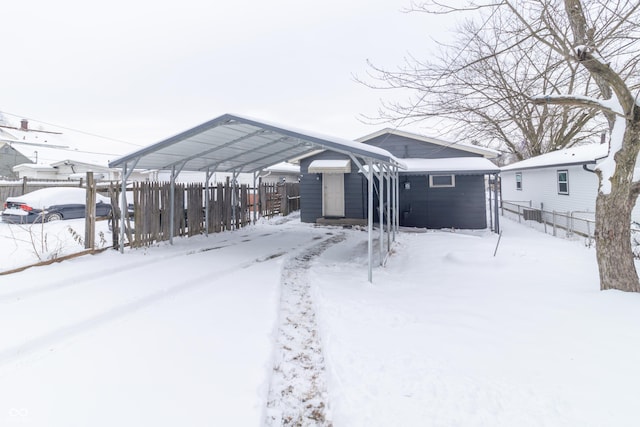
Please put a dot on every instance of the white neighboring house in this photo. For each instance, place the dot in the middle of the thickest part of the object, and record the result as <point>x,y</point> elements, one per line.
<point>560,181</point>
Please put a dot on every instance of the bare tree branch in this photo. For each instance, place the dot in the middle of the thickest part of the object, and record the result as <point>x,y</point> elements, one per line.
<point>573,101</point>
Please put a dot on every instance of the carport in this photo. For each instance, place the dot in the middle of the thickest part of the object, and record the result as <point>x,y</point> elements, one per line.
<point>239,144</point>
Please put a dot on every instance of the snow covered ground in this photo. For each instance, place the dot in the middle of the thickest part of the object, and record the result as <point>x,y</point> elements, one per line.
<point>196,333</point>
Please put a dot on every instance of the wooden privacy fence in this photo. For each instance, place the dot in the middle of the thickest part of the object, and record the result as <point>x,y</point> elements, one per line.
<point>230,207</point>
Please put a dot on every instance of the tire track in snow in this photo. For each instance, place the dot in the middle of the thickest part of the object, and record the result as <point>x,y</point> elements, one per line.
<point>139,264</point>
<point>298,390</point>
<point>38,346</point>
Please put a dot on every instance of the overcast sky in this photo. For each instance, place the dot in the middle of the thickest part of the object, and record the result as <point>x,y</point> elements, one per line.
<point>141,71</point>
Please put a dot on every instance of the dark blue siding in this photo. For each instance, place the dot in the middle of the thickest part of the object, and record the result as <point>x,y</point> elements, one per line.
<point>355,194</point>
<point>355,191</point>
<point>310,198</point>
<point>462,206</point>
<point>403,147</point>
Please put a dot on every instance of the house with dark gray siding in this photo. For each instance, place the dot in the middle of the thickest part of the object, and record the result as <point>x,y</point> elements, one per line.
<point>441,184</point>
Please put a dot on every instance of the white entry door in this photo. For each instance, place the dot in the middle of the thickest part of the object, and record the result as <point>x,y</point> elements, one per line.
<point>333,194</point>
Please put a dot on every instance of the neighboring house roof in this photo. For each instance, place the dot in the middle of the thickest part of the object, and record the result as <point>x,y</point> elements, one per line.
<point>33,166</point>
<point>485,152</point>
<point>46,147</point>
<point>73,162</point>
<point>457,165</point>
<point>284,167</point>
<point>51,154</point>
<point>583,154</point>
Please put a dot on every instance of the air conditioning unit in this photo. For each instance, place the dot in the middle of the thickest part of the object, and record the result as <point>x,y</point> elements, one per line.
<point>532,215</point>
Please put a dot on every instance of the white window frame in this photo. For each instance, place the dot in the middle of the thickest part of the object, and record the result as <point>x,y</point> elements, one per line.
<point>453,181</point>
<point>519,181</point>
<point>566,181</point>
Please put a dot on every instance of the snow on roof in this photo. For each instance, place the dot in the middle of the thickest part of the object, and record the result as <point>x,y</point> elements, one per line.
<point>582,154</point>
<point>485,152</point>
<point>451,164</point>
<point>329,166</point>
<point>32,166</point>
<point>284,167</point>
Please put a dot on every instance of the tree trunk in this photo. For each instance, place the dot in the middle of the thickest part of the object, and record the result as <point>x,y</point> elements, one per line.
<point>613,240</point>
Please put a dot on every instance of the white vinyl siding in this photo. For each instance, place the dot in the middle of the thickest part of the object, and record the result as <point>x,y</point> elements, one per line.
<point>542,188</point>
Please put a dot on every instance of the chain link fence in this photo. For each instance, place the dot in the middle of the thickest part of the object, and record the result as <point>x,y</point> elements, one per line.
<point>572,225</point>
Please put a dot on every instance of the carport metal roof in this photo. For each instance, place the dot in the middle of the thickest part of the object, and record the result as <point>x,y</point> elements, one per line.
<point>233,143</point>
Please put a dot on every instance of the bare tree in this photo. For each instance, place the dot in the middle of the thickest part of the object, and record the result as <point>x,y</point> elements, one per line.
<point>605,44</point>
<point>483,81</point>
<point>598,42</point>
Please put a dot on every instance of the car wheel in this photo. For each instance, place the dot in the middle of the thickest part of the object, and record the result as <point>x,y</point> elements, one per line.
<point>53,217</point>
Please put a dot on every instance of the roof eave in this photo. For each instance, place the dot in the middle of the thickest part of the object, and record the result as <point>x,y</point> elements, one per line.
<point>453,172</point>
<point>484,152</point>
<point>554,165</point>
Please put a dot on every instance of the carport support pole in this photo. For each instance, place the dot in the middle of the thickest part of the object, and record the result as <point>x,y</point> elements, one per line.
<point>254,201</point>
<point>370,218</point>
<point>381,210</point>
<point>123,205</point>
<point>388,181</point>
<point>207,195</point>
<point>490,204</point>
<point>234,199</point>
<point>495,201</point>
<point>124,209</point>
<point>396,203</point>
<point>172,204</point>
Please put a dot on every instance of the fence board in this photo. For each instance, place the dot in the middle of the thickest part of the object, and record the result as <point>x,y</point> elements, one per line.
<point>230,208</point>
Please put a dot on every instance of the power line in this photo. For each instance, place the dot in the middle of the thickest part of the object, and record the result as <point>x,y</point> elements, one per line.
<point>74,130</point>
